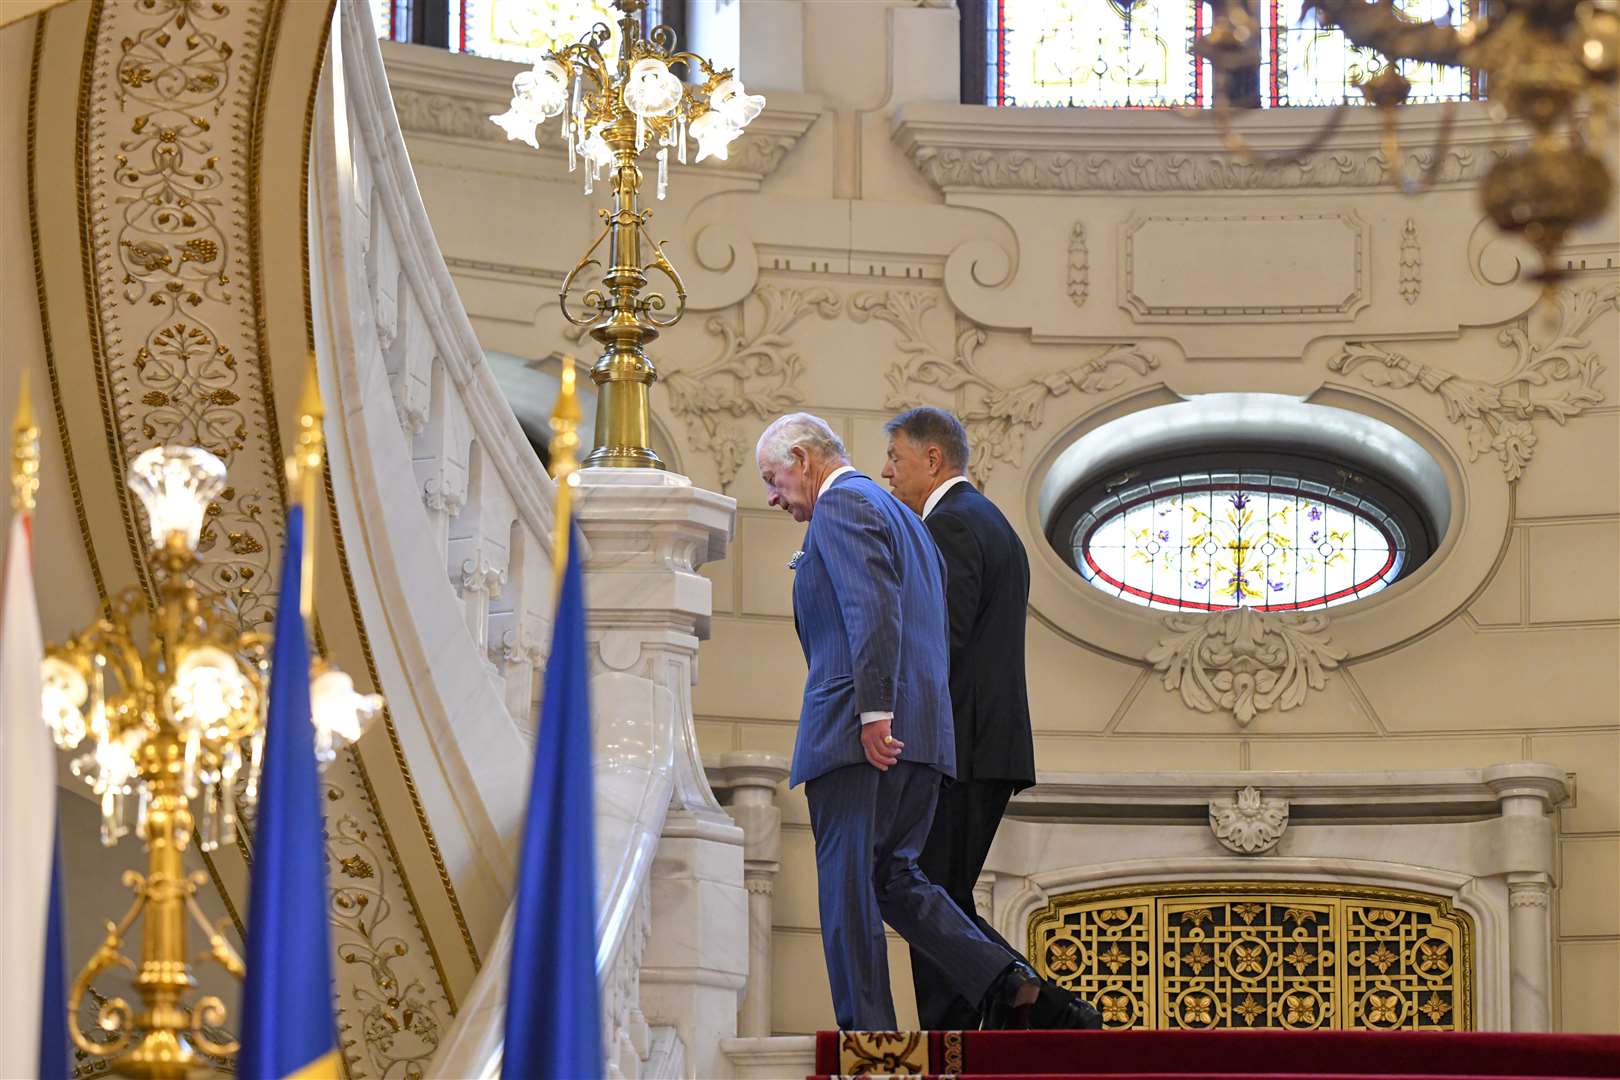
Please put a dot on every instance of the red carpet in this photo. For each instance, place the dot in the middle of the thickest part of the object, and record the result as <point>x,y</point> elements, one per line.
<point>1274,1055</point>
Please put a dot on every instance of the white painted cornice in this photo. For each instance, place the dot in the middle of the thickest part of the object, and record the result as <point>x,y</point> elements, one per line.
<point>1400,793</point>
<point>452,95</point>
<point>975,148</point>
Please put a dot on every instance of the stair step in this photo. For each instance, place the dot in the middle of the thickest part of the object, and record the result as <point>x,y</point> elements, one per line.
<point>1274,1055</point>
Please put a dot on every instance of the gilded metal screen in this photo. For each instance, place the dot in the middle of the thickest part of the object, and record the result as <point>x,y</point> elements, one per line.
<point>1297,956</point>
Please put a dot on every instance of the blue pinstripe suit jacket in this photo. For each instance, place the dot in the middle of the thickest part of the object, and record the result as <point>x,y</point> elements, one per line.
<point>869,604</point>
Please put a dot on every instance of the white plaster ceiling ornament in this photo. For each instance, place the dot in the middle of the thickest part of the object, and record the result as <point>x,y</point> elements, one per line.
<point>1079,264</point>
<point>1554,374</point>
<point>1248,823</point>
<point>1243,662</point>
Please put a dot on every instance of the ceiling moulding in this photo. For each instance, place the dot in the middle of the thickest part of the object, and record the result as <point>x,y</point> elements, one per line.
<point>975,148</point>
<point>452,96</point>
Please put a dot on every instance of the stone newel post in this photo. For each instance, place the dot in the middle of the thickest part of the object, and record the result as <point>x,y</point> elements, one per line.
<point>747,782</point>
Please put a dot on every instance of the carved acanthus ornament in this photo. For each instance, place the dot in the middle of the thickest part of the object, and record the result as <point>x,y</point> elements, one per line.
<point>1079,264</point>
<point>996,417</point>
<point>1411,263</point>
<point>755,375</point>
<point>1248,823</point>
<point>1243,662</point>
<point>1553,377</point>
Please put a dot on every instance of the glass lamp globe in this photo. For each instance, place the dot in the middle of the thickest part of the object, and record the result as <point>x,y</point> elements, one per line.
<point>598,154</point>
<point>64,692</point>
<point>175,485</point>
<point>737,105</point>
<point>518,125</point>
<point>652,90</point>
<point>341,715</point>
<point>541,92</point>
<point>713,133</point>
<point>209,689</point>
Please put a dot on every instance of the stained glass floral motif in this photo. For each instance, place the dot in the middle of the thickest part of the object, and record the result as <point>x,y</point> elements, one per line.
<point>1138,53</point>
<point>1210,542</point>
<point>1091,52</point>
<point>526,30</point>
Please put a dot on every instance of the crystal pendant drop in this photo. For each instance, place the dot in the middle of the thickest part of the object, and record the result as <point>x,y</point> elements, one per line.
<point>210,822</point>
<point>571,149</point>
<point>641,133</point>
<point>663,171</point>
<point>680,139</point>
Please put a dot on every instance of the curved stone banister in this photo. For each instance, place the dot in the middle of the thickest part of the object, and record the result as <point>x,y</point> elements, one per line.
<point>448,514</point>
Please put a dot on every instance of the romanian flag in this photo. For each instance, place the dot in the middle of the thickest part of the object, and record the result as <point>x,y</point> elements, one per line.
<point>288,1029</point>
<point>553,1024</point>
<point>33,1024</point>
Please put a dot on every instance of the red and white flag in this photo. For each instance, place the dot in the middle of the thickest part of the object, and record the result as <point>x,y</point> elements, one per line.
<point>27,808</point>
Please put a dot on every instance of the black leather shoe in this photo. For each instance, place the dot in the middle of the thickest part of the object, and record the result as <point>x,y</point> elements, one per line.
<point>1059,1009</point>
<point>1009,1004</point>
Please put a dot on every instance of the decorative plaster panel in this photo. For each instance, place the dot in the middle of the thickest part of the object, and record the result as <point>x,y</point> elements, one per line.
<point>1244,267</point>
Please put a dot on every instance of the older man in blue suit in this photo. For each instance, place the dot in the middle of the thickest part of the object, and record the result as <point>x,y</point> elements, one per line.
<point>875,736</point>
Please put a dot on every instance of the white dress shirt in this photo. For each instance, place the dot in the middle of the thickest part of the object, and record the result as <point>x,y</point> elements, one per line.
<point>877,714</point>
<point>939,493</point>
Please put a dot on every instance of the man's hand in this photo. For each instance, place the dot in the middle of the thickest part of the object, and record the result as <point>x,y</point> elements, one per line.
<point>882,748</point>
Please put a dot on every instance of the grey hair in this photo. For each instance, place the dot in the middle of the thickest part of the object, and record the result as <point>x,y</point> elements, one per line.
<point>928,426</point>
<point>800,429</point>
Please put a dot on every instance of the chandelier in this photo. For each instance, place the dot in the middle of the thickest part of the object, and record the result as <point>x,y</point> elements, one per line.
<point>167,703</point>
<point>1550,64</point>
<point>612,111</point>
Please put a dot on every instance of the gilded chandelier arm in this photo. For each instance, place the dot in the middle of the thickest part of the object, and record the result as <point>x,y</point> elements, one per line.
<point>656,301</point>
<point>115,1015</point>
<point>594,298</point>
<point>1377,25</point>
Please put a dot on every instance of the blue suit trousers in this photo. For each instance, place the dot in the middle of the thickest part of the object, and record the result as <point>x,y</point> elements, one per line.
<point>869,828</point>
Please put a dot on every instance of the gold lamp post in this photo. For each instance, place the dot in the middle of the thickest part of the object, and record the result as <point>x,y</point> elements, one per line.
<point>614,109</point>
<point>1551,64</point>
<point>168,718</point>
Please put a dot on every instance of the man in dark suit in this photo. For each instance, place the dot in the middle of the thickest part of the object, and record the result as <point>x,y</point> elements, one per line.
<point>987,595</point>
<point>874,738</point>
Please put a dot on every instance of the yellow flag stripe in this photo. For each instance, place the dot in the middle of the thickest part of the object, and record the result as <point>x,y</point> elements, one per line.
<point>325,1067</point>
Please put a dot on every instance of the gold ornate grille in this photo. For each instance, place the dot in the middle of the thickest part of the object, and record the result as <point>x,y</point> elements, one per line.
<point>1290,955</point>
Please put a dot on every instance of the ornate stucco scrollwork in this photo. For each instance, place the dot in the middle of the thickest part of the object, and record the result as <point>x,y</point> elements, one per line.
<point>1243,662</point>
<point>996,417</point>
<point>951,168</point>
<point>1248,823</point>
<point>1554,374</point>
<point>756,374</point>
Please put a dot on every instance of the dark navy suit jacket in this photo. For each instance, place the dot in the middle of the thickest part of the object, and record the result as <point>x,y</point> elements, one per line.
<point>869,604</point>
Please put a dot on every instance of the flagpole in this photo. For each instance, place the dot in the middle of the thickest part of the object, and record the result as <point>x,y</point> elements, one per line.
<point>24,452</point>
<point>303,469</point>
<point>565,417</point>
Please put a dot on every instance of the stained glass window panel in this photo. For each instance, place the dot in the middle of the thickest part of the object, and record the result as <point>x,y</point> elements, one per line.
<point>1092,52</point>
<point>525,30</point>
<point>1213,541</point>
<point>1306,63</point>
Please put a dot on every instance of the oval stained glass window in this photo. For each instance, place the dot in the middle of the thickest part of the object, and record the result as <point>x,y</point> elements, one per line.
<point>1209,542</point>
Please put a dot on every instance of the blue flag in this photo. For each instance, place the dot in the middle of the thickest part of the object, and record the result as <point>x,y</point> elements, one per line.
<point>287,1022</point>
<point>553,1023</point>
<point>53,1034</point>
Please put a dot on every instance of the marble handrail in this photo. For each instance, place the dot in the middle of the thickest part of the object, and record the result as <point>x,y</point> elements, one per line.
<point>447,514</point>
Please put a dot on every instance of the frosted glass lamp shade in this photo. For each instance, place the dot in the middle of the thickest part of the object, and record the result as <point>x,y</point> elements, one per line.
<point>63,694</point>
<point>735,104</point>
<point>208,691</point>
<point>541,92</point>
<point>713,133</point>
<point>652,90</point>
<point>341,715</point>
<point>175,485</point>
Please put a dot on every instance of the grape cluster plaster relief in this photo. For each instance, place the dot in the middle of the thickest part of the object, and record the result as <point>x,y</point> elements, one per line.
<point>997,417</point>
<point>1554,375</point>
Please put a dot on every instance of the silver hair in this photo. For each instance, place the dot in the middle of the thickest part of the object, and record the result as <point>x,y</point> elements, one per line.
<point>800,429</point>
